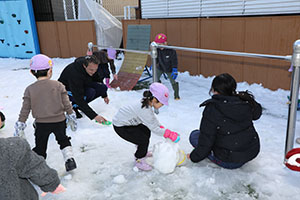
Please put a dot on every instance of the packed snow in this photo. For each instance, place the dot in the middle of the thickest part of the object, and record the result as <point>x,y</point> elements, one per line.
<point>106,162</point>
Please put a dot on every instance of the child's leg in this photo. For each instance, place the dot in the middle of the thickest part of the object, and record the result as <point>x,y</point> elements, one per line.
<point>42,132</point>
<point>226,165</point>
<point>63,140</point>
<point>138,135</point>
<point>194,136</point>
<point>107,82</point>
<point>175,86</point>
<point>59,130</point>
<point>158,73</point>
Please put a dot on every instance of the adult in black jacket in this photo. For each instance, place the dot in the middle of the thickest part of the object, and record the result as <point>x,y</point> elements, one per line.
<point>227,135</point>
<point>84,84</point>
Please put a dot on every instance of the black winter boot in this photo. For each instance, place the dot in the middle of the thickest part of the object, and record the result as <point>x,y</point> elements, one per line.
<point>70,164</point>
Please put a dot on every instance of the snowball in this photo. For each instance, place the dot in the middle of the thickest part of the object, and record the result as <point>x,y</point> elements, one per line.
<point>166,156</point>
<point>119,179</point>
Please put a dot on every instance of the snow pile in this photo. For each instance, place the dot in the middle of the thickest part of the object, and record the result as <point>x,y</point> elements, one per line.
<point>167,155</point>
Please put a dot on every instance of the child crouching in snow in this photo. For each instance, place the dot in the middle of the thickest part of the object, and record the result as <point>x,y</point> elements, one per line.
<point>48,101</point>
<point>134,123</point>
<point>227,136</point>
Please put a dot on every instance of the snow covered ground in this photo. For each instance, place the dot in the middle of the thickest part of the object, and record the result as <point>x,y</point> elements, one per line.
<point>105,161</point>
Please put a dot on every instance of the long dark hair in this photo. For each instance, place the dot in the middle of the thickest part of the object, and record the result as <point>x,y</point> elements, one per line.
<point>147,98</point>
<point>225,85</point>
<point>102,56</point>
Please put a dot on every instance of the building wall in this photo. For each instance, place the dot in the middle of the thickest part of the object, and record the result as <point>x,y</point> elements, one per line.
<point>273,35</point>
<point>66,39</point>
<point>116,7</point>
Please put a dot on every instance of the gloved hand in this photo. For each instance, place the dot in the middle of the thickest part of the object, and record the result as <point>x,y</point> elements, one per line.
<point>72,121</point>
<point>174,73</point>
<point>58,190</point>
<point>19,129</point>
<point>172,135</point>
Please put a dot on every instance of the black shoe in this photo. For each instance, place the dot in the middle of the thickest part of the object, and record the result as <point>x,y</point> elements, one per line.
<point>78,115</point>
<point>70,164</point>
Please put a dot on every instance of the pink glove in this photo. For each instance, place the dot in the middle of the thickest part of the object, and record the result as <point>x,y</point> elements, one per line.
<point>161,126</point>
<point>172,135</point>
<point>58,190</point>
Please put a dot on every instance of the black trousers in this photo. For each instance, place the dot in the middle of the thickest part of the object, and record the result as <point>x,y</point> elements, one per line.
<point>92,91</point>
<point>42,133</point>
<point>138,135</point>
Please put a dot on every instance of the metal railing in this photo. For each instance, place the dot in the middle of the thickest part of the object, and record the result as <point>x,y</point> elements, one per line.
<point>91,45</point>
<point>294,92</point>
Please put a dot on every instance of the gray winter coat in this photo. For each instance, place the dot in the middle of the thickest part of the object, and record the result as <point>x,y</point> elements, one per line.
<point>19,165</point>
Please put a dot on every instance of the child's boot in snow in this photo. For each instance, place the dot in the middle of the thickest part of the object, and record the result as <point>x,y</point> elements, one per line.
<point>142,164</point>
<point>70,163</point>
<point>107,82</point>
<point>149,154</point>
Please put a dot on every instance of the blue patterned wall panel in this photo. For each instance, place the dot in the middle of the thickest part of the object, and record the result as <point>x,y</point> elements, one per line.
<point>18,34</point>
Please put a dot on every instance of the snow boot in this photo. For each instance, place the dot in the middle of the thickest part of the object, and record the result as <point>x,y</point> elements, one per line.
<point>149,154</point>
<point>70,163</point>
<point>107,83</point>
<point>142,164</point>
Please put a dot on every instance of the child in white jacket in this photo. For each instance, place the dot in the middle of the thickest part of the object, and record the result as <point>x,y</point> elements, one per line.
<point>134,123</point>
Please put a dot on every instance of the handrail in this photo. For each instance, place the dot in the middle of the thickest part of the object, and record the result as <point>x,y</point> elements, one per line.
<point>229,53</point>
<point>91,45</point>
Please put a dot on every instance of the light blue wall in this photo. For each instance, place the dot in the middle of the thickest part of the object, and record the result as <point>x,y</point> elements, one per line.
<point>18,35</point>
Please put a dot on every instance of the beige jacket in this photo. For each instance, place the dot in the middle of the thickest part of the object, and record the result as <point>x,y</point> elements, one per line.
<point>48,100</point>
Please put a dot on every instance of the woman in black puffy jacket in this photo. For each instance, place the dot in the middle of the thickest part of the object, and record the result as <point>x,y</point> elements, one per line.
<point>227,136</point>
